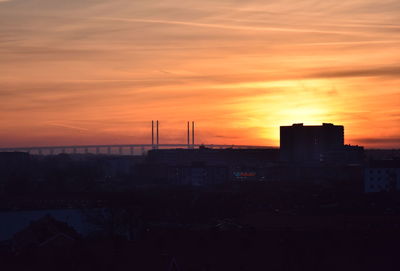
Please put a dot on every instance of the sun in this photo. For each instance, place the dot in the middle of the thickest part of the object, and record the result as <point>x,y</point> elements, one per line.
<point>306,115</point>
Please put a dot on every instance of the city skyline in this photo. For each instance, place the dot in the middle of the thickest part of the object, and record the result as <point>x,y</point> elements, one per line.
<point>96,71</point>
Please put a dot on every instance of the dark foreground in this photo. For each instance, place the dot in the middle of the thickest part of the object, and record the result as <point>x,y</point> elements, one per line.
<point>221,249</point>
<point>241,227</point>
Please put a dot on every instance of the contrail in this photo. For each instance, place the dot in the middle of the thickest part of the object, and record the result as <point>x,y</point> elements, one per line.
<point>224,26</point>
<point>67,126</point>
<point>348,42</point>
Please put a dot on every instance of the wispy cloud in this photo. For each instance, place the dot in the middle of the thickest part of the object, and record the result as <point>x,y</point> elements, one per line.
<point>68,126</point>
<point>388,141</point>
<point>361,42</point>
<point>226,26</point>
<point>391,71</point>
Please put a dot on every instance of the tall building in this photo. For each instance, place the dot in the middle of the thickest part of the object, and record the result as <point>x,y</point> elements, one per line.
<point>299,143</point>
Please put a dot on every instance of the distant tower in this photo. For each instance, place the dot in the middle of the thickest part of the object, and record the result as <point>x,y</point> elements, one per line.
<point>188,135</point>
<point>152,134</point>
<point>157,135</point>
<point>193,134</point>
<point>154,146</point>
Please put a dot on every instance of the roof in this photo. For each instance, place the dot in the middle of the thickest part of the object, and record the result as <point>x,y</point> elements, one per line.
<point>42,232</point>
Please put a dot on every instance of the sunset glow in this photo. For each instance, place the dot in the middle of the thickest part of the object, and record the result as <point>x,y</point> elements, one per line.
<point>98,71</point>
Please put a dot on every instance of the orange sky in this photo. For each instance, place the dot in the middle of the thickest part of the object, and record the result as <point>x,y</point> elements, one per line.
<point>98,71</point>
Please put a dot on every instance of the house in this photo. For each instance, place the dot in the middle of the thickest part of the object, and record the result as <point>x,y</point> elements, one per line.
<point>45,233</point>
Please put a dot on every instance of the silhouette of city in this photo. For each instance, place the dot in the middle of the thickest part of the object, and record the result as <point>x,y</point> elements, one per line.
<point>314,203</point>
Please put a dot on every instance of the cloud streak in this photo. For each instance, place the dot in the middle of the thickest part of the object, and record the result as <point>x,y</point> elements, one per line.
<point>226,26</point>
<point>62,125</point>
<point>391,141</point>
<point>391,71</point>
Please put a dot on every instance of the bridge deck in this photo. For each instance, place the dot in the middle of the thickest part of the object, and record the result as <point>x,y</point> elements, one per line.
<point>121,148</point>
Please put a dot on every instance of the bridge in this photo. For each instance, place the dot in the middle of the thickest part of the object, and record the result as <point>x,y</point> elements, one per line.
<point>120,149</point>
<point>129,149</point>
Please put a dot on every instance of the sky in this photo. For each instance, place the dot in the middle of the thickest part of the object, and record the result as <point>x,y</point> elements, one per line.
<point>98,71</point>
